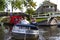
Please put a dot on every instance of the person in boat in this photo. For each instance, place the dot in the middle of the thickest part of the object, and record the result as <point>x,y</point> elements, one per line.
<point>23,20</point>
<point>33,21</point>
<point>15,21</point>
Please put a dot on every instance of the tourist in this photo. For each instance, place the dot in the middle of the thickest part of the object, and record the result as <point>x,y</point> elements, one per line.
<point>33,21</point>
<point>24,21</point>
<point>15,21</point>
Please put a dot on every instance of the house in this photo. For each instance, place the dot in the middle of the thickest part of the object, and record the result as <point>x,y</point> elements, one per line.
<point>46,10</point>
<point>47,7</point>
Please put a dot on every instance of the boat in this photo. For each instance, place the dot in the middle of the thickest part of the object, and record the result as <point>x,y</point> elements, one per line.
<point>21,31</point>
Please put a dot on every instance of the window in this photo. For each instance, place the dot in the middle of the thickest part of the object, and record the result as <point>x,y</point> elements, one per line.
<point>47,6</point>
<point>51,6</point>
<point>43,6</point>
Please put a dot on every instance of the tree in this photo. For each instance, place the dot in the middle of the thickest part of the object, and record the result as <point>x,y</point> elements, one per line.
<point>28,4</point>
<point>2,5</point>
<point>19,4</point>
<point>16,4</point>
<point>30,11</point>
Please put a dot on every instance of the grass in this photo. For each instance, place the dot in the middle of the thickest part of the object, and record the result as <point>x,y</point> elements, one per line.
<point>40,19</point>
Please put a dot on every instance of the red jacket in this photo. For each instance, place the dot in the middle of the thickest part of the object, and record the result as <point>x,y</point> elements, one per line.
<point>12,19</point>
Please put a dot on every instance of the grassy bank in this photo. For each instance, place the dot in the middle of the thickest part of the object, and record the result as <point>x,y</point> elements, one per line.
<point>40,19</point>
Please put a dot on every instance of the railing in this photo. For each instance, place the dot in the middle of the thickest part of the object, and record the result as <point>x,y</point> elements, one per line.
<point>45,16</point>
<point>39,16</point>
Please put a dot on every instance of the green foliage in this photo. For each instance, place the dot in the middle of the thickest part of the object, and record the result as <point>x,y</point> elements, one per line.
<point>30,11</point>
<point>29,4</point>
<point>17,4</point>
<point>2,5</point>
<point>1,34</point>
<point>33,4</point>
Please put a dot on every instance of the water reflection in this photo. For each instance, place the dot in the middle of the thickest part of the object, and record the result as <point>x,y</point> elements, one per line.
<point>49,33</point>
<point>53,38</point>
<point>41,32</point>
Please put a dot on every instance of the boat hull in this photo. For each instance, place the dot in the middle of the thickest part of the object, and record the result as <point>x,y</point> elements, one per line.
<point>24,36</point>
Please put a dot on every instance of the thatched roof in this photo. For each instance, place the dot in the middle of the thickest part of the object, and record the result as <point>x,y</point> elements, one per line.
<point>39,10</point>
<point>46,3</point>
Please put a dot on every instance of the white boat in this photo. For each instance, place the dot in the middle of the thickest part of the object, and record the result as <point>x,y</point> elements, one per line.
<point>25,32</point>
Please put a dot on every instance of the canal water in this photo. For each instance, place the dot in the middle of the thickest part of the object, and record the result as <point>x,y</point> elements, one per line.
<point>49,33</point>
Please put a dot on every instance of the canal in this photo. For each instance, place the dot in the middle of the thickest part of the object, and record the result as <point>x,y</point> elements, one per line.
<point>48,33</point>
